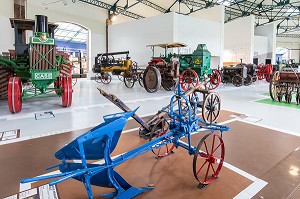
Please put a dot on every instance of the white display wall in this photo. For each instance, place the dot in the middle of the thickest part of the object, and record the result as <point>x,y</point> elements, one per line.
<point>194,31</point>
<point>7,33</point>
<point>170,27</point>
<point>268,31</point>
<point>239,40</point>
<point>134,36</point>
<point>261,49</point>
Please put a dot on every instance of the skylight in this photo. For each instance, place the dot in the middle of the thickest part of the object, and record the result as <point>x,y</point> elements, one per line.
<point>68,32</point>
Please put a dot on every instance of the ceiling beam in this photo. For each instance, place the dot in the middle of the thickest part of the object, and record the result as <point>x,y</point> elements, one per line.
<point>107,6</point>
<point>152,5</point>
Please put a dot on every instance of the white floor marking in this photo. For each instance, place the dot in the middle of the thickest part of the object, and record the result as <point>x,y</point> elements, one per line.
<point>270,127</point>
<point>72,109</point>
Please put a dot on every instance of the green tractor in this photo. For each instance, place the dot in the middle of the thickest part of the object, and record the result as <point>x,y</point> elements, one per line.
<point>187,69</point>
<point>29,70</point>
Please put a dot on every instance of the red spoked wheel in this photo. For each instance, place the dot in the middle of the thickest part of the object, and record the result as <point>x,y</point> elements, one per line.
<point>14,94</point>
<point>208,158</point>
<point>188,79</point>
<point>67,91</point>
<point>57,84</point>
<point>159,129</point>
<point>214,80</point>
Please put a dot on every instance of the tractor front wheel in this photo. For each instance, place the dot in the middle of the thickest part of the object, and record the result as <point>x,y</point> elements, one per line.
<point>66,91</point>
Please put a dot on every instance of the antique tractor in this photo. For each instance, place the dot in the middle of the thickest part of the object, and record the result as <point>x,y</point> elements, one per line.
<point>198,61</point>
<point>165,70</point>
<point>285,84</point>
<point>264,71</point>
<point>98,144</point>
<point>126,69</point>
<point>239,74</point>
<point>36,64</point>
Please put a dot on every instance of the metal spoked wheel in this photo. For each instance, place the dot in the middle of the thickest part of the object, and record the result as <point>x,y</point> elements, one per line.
<point>67,91</point>
<point>188,79</point>
<point>273,86</point>
<point>248,80</point>
<point>105,78</point>
<point>14,96</point>
<point>129,80</point>
<point>140,77</point>
<point>98,77</point>
<point>151,79</point>
<point>159,129</point>
<point>214,80</point>
<point>237,80</point>
<point>211,107</point>
<point>208,158</point>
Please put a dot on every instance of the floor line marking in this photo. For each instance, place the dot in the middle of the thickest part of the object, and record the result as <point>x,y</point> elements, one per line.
<point>72,109</point>
<point>270,127</point>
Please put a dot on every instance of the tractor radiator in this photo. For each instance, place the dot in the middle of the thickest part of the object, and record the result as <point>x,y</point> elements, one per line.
<point>5,74</point>
<point>42,57</point>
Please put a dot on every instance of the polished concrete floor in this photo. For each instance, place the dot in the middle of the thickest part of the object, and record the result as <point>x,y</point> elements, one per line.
<point>89,106</point>
<point>261,145</point>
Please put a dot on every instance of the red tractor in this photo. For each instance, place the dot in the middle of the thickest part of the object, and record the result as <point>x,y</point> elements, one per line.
<point>264,71</point>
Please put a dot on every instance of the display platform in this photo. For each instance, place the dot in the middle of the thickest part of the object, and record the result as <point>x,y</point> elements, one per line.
<point>269,101</point>
<point>257,151</point>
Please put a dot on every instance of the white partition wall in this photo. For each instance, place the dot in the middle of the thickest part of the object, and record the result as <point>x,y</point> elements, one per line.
<point>239,40</point>
<point>7,38</point>
<point>194,31</point>
<point>170,27</point>
<point>261,50</point>
<point>268,31</point>
<point>135,35</point>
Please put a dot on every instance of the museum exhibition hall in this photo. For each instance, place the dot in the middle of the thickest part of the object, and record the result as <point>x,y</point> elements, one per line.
<point>150,99</point>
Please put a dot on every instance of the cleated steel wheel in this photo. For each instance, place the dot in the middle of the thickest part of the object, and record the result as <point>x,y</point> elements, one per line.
<point>151,79</point>
<point>211,107</point>
<point>248,80</point>
<point>208,158</point>
<point>237,80</point>
<point>67,91</point>
<point>159,129</point>
<point>14,96</point>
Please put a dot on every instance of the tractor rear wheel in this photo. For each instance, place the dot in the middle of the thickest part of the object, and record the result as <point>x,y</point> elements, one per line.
<point>14,94</point>
<point>151,79</point>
